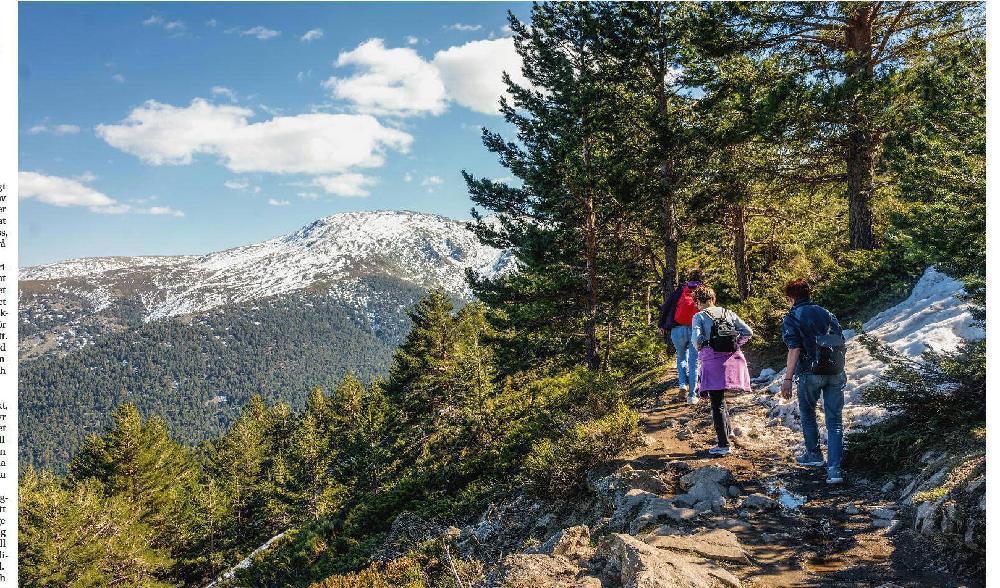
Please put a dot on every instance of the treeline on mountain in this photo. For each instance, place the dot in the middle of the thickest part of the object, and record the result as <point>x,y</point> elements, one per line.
<point>197,373</point>
<point>842,142</point>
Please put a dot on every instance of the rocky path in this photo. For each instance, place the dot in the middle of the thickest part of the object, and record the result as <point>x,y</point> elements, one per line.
<point>797,531</point>
<point>669,514</point>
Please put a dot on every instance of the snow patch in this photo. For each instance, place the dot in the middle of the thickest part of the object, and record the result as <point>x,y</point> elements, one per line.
<point>933,318</point>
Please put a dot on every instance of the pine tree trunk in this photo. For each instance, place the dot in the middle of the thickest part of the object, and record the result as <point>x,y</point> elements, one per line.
<point>593,358</point>
<point>590,321</point>
<point>861,147</point>
<point>740,251</point>
<point>668,211</point>
<point>668,217</point>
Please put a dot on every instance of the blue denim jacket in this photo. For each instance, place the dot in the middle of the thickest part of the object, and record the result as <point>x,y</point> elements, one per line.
<point>801,325</point>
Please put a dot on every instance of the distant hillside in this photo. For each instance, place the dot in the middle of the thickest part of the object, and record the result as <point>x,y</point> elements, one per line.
<point>191,338</point>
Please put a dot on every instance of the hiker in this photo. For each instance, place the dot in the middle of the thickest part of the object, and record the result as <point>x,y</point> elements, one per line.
<point>720,334</point>
<point>816,352</point>
<point>675,318</point>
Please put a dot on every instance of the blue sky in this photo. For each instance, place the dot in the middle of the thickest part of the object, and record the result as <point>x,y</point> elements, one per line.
<point>169,128</point>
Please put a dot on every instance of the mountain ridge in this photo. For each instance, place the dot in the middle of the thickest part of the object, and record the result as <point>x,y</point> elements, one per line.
<point>332,253</point>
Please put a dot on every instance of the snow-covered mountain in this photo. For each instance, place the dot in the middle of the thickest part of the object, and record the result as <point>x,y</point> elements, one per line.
<point>67,304</point>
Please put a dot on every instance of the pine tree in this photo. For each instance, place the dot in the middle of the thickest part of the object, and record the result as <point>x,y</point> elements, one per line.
<point>75,535</point>
<point>844,57</point>
<point>138,462</point>
<point>563,223</point>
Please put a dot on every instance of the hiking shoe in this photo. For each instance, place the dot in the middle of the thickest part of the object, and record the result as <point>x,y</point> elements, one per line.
<point>810,460</point>
<point>720,450</point>
<point>693,400</point>
<point>834,476</point>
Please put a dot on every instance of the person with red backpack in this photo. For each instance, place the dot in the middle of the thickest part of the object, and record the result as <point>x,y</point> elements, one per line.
<point>675,318</point>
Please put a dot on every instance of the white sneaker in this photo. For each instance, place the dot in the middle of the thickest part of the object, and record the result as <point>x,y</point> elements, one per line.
<point>720,450</point>
<point>693,399</point>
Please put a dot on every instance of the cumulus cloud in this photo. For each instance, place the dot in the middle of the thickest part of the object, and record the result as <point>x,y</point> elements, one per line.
<point>276,202</point>
<point>262,33</point>
<point>348,185</point>
<point>54,129</point>
<point>397,81</point>
<point>316,143</point>
<point>465,28</point>
<point>411,40</point>
<point>311,35</point>
<point>389,81</point>
<point>473,72</point>
<point>59,191</point>
<point>66,192</point>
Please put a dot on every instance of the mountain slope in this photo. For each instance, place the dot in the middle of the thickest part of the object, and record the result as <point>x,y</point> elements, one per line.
<point>191,338</point>
<point>64,305</point>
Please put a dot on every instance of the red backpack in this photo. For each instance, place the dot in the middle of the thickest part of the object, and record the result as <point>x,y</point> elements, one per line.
<point>686,308</point>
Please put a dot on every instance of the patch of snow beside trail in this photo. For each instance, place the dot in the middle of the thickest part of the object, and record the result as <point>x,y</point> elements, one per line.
<point>932,318</point>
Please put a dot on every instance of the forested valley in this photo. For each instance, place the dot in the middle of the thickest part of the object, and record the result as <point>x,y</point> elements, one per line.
<point>758,142</point>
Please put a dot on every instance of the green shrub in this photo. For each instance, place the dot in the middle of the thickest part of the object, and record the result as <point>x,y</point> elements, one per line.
<point>555,467</point>
<point>938,401</point>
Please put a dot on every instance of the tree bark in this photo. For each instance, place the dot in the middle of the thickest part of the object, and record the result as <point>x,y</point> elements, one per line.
<point>593,358</point>
<point>861,145</point>
<point>740,251</point>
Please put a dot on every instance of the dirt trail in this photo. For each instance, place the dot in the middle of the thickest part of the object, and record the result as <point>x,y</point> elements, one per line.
<point>815,543</point>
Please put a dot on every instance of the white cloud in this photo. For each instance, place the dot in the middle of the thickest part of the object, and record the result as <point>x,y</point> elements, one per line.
<point>407,177</point>
<point>311,35</point>
<point>86,176</point>
<point>473,72</point>
<point>389,81</point>
<point>464,27</point>
<point>59,191</point>
<point>224,91</point>
<point>308,195</point>
<point>65,192</point>
<point>411,40</point>
<point>118,78</point>
<point>236,184</point>
<point>275,202</point>
<point>432,181</point>
<point>54,129</point>
<point>316,143</point>
<point>262,33</point>
<point>348,185</point>
<point>211,23</point>
<point>171,26</point>
<point>302,75</point>
<point>399,82</point>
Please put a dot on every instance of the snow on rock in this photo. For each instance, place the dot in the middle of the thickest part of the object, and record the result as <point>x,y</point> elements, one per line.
<point>933,318</point>
<point>336,253</point>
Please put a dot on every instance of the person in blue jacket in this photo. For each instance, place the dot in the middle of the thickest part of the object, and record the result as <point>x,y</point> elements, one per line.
<point>804,321</point>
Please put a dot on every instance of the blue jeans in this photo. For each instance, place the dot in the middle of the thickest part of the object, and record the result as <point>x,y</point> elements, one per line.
<point>811,386</point>
<point>687,359</point>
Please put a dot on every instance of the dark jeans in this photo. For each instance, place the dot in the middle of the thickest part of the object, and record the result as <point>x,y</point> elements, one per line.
<point>720,416</point>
